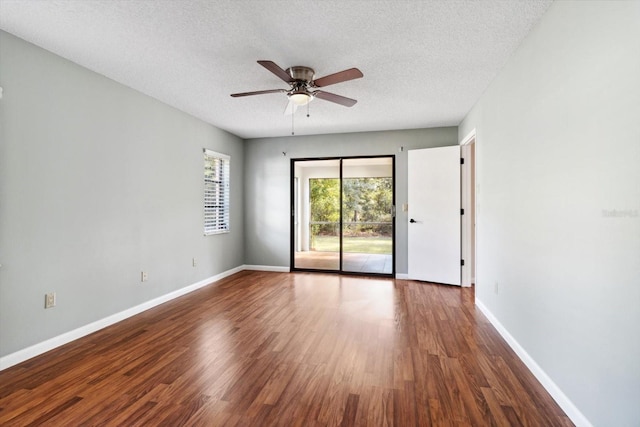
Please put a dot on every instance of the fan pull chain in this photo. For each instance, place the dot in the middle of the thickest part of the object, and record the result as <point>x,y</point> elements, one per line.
<point>308,108</point>
<point>292,133</point>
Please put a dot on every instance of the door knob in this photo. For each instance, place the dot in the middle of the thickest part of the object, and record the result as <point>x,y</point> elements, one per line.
<point>412,221</point>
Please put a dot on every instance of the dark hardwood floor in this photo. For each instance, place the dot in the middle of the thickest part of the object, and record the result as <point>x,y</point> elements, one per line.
<point>287,349</point>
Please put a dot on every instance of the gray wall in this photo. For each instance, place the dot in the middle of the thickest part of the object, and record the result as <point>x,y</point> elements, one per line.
<point>97,183</point>
<point>268,176</point>
<point>558,152</point>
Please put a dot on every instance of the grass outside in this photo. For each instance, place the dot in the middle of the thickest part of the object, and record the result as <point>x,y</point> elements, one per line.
<point>362,245</point>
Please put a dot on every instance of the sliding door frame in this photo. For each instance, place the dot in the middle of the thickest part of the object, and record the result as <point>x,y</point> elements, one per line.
<point>293,207</point>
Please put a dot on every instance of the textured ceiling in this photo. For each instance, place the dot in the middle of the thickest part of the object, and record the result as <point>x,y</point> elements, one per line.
<point>425,63</point>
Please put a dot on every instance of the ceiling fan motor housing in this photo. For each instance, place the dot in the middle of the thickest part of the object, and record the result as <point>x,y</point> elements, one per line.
<point>301,73</point>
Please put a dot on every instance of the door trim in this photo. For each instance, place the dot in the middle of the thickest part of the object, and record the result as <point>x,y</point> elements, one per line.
<point>469,234</point>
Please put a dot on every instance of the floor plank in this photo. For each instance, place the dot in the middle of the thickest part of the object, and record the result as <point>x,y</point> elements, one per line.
<point>290,349</point>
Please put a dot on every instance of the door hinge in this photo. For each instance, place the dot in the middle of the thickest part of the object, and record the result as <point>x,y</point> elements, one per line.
<point>462,262</point>
<point>461,211</point>
<point>393,211</point>
<point>462,160</point>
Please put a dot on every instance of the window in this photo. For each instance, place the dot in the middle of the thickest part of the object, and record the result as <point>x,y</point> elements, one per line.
<point>216,192</point>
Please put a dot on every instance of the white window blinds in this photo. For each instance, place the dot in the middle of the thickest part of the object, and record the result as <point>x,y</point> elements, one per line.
<point>216,192</point>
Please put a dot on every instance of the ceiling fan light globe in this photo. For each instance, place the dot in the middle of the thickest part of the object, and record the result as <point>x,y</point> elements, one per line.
<point>300,98</point>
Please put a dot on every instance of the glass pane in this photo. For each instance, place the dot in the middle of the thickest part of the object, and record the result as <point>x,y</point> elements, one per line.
<point>317,214</point>
<point>367,203</point>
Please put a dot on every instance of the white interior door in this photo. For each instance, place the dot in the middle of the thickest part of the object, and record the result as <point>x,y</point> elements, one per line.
<point>434,214</point>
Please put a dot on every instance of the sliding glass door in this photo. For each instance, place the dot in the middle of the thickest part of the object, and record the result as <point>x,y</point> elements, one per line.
<point>342,215</point>
<point>317,215</point>
<point>367,215</point>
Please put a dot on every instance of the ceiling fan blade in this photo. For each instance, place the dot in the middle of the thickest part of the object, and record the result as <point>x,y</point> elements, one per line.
<point>258,92</point>
<point>332,97</point>
<point>342,76</point>
<point>275,69</point>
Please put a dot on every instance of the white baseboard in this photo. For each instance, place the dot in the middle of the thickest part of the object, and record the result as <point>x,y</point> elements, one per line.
<point>402,276</point>
<point>267,268</point>
<point>44,346</point>
<point>561,399</point>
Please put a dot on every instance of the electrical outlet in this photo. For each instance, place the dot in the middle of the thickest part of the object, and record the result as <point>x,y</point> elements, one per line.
<point>144,276</point>
<point>50,300</point>
<point>496,288</point>
<point>194,262</point>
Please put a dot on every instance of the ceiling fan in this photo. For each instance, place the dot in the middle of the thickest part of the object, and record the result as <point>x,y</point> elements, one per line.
<point>303,84</point>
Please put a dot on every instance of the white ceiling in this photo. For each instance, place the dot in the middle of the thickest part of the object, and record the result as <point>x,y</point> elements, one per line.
<point>425,63</point>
